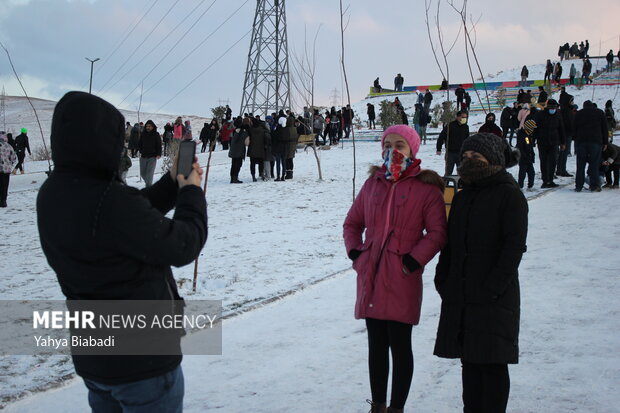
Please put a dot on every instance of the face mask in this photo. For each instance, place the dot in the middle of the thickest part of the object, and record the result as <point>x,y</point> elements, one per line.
<point>490,120</point>
<point>551,111</point>
<point>463,121</point>
<point>396,163</point>
<point>472,170</point>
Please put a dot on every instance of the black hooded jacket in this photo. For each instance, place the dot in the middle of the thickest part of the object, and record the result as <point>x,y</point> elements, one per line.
<point>590,125</point>
<point>150,142</point>
<point>108,241</point>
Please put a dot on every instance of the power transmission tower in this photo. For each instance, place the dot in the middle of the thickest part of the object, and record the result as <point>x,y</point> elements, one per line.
<point>3,108</point>
<point>335,97</point>
<point>266,87</point>
<point>222,102</point>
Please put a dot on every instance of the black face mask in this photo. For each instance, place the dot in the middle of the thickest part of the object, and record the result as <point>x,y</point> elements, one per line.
<point>490,121</point>
<point>472,170</point>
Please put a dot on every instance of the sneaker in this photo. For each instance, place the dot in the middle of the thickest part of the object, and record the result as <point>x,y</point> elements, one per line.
<point>607,186</point>
<point>553,185</point>
<point>545,185</point>
<point>577,189</point>
<point>595,189</point>
<point>614,186</point>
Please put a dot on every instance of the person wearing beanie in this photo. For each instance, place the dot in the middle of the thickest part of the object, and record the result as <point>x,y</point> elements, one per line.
<point>489,126</point>
<point>7,160</point>
<point>591,139</point>
<point>550,138</point>
<point>150,151</point>
<point>108,241</point>
<point>401,211</point>
<point>453,135</point>
<point>477,273</point>
<point>525,144</point>
<point>21,146</point>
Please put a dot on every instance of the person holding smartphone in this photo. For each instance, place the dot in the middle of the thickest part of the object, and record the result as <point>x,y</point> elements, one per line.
<point>108,241</point>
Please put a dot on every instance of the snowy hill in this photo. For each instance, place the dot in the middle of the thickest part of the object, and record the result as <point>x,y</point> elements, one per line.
<point>19,114</point>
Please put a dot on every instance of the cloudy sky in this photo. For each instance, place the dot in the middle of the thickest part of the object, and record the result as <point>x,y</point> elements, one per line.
<point>202,45</point>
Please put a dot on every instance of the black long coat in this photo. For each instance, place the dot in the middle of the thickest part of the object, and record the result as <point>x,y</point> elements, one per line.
<point>477,273</point>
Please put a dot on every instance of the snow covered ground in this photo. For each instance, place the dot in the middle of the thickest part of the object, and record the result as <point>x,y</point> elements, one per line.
<point>306,352</point>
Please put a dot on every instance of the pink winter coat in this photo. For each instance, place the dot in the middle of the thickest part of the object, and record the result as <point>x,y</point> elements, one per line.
<point>395,216</point>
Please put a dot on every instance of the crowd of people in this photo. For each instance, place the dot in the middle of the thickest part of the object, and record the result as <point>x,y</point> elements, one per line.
<point>12,157</point>
<point>552,127</point>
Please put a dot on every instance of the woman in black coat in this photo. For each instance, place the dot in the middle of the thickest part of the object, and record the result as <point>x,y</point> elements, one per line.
<point>477,273</point>
<point>237,150</point>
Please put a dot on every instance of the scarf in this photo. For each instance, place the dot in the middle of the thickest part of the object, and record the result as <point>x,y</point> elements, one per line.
<point>396,164</point>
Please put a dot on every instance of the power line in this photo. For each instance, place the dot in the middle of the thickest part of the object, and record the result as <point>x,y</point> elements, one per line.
<point>155,26</point>
<point>106,59</point>
<point>166,36</point>
<point>199,44</point>
<point>204,71</point>
<point>169,50</point>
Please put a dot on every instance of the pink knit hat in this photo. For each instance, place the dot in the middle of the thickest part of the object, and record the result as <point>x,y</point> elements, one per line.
<point>409,134</point>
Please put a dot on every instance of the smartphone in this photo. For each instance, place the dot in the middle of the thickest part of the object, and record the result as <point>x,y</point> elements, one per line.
<point>187,152</point>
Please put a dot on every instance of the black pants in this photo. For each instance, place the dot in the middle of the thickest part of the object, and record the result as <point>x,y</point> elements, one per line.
<point>235,167</point>
<point>224,145</point>
<point>253,163</point>
<point>612,168</point>
<point>384,336</point>
<point>289,168</point>
<point>371,123</point>
<point>204,146</point>
<point>20,161</point>
<point>548,158</point>
<point>4,186</point>
<point>485,388</point>
<point>505,132</point>
<point>526,168</point>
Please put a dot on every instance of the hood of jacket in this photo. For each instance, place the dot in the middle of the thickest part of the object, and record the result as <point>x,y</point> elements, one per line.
<point>87,134</point>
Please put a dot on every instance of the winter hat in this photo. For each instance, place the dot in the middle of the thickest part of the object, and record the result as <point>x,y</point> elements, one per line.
<point>552,103</point>
<point>495,149</point>
<point>409,134</point>
<point>24,130</point>
<point>529,126</point>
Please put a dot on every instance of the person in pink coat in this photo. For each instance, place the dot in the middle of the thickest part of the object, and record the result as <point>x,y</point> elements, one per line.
<point>395,226</point>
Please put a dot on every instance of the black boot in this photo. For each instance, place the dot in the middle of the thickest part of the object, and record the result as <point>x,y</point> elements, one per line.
<point>289,174</point>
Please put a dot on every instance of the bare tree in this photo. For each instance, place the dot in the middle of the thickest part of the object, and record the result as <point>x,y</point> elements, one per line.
<point>346,82</point>
<point>462,12</point>
<point>304,70</point>
<point>445,69</point>
<point>47,155</point>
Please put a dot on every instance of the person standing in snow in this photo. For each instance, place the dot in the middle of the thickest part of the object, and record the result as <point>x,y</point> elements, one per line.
<point>454,134</point>
<point>548,71</point>
<point>524,75</point>
<point>401,211</point>
<point>7,160</point>
<point>319,122</point>
<point>370,111</point>
<point>585,71</point>
<point>167,138</point>
<point>568,118</point>
<point>237,150</point>
<point>178,129</point>
<point>571,74</point>
<point>467,101</point>
<point>610,116</point>
<point>557,73</point>
<point>542,96</point>
<point>398,83</point>
<point>187,134</point>
<point>477,274</point>
<point>347,116</point>
<point>225,134</point>
<point>610,60</point>
<point>116,243</point>
<point>21,146</point>
<point>428,98</point>
<point>134,139</point>
<point>489,126</point>
<point>150,151</point>
<point>525,144</point>
<point>590,141</point>
<point>549,137</point>
<point>460,95</point>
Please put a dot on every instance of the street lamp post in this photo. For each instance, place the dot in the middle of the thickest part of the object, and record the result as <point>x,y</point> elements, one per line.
<point>92,62</point>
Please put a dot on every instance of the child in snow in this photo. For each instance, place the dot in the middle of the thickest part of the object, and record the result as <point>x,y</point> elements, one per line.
<point>525,144</point>
<point>401,210</point>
